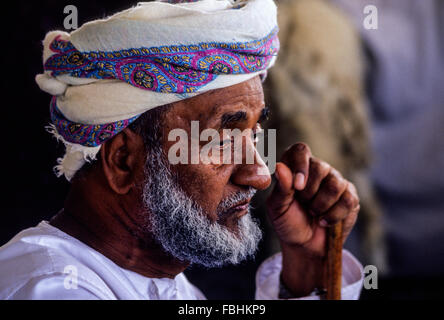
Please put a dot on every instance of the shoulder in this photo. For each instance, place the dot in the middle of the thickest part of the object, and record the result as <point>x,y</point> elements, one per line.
<point>45,263</point>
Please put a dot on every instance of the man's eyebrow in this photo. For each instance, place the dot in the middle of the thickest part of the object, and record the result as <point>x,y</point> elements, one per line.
<point>230,118</point>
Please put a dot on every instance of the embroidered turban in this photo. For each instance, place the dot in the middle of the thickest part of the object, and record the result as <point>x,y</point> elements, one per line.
<point>106,73</point>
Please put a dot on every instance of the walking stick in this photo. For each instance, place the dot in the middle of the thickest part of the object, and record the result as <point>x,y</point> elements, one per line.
<point>333,265</point>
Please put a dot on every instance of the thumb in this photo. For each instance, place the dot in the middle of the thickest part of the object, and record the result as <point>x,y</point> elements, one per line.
<point>283,193</point>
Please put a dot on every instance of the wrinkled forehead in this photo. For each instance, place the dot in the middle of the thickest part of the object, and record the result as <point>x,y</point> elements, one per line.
<point>210,109</point>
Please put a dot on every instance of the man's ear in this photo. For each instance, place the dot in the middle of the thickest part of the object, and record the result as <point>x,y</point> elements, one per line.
<point>123,160</point>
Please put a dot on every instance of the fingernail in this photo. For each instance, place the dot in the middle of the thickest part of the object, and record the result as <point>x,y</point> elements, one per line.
<point>323,223</point>
<point>299,181</point>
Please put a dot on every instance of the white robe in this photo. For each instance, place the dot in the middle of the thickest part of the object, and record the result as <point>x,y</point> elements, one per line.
<point>45,263</point>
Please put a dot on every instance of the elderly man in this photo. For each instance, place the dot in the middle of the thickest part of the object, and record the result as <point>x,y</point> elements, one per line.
<point>133,221</point>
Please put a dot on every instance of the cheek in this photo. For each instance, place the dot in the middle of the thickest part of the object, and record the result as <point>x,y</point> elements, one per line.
<point>205,184</point>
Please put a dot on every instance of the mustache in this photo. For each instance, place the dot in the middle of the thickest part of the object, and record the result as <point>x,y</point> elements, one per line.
<point>235,199</point>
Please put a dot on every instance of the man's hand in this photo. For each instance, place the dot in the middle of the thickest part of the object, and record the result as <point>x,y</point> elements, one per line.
<point>308,197</point>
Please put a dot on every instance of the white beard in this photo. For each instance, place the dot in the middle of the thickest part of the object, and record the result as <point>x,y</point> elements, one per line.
<point>182,227</point>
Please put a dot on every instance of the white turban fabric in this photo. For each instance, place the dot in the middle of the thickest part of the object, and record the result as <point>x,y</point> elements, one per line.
<point>106,73</point>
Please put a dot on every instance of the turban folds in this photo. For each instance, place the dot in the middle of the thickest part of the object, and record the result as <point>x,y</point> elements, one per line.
<point>106,73</point>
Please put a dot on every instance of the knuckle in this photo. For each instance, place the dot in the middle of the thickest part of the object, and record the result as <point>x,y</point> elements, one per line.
<point>352,186</point>
<point>348,200</point>
<point>318,167</point>
<point>336,173</point>
<point>315,163</point>
<point>350,221</point>
<point>324,166</point>
<point>333,187</point>
<point>352,189</point>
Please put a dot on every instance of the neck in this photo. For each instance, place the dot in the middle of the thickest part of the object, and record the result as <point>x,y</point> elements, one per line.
<point>111,227</point>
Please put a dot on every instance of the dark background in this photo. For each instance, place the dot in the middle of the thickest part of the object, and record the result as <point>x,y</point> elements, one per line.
<point>31,191</point>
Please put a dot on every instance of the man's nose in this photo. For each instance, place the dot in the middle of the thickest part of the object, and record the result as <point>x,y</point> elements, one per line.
<point>255,175</point>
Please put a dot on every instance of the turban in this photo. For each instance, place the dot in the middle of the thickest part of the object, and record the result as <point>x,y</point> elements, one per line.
<point>103,75</point>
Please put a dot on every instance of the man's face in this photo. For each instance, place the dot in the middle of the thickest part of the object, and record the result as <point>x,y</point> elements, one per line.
<point>200,212</point>
<point>240,106</point>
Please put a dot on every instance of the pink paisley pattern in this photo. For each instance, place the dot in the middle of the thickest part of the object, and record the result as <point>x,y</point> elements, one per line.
<point>168,69</point>
<point>83,134</point>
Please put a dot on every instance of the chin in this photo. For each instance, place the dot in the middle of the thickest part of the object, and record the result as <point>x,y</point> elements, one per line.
<point>232,223</point>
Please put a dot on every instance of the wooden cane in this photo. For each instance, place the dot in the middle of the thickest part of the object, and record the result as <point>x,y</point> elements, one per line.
<point>333,265</point>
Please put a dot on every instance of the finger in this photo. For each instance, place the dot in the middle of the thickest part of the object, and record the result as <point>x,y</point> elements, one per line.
<point>297,158</point>
<point>331,189</point>
<point>284,178</point>
<point>352,189</point>
<point>283,193</point>
<point>345,205</point>
<point>317,172</point>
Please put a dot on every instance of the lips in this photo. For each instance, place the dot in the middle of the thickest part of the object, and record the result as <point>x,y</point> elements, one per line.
<point>240,209</point>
